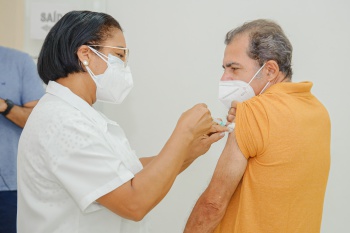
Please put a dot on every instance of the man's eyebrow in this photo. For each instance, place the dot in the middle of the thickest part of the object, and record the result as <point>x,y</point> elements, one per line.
<point>230,64</point>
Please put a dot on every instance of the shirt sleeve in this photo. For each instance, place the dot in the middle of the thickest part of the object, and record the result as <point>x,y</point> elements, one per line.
<point>32,86</point>
<point>251,128</point>
<point>85,164</point>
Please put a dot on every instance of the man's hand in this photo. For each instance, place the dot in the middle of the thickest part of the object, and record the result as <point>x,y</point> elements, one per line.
<point>232,112</point>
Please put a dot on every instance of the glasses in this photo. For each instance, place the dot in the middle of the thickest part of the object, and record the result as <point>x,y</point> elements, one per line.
<point>123,53</point>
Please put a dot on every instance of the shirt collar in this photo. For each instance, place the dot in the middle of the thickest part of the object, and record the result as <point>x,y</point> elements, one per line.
<point>70,98</point>
<point>290,87</point>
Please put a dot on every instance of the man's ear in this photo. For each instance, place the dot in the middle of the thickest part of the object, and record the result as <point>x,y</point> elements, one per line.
<point>272,70</point>
<point>84,54</point>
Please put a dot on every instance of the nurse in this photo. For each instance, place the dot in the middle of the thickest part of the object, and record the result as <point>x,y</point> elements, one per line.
<point>76,170</point>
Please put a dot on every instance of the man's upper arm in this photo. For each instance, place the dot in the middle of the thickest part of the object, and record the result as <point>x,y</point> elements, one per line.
<point>230,169</point>
<point>252,127</point>
<point>211,206</point>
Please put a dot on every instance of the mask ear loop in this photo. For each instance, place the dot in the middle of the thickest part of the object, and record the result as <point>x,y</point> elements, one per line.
<point>93,76</point>
<point>264,87</point>
<point>245,88</point>
<point>257,73</point>
<point>101,55</point>
<point>266,83</point>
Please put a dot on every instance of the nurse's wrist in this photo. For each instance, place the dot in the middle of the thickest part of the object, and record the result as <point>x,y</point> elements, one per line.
<point>185,134</point>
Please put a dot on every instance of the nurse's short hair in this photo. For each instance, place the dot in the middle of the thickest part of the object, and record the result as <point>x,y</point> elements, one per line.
<point>267,42</point>
<point>58,56</point>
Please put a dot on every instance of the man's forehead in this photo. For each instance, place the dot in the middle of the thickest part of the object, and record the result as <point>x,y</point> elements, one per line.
<point>236,51</point>
<point>233,56</point>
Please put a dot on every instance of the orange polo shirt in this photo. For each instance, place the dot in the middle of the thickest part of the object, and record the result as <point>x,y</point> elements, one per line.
<point>285,135</point>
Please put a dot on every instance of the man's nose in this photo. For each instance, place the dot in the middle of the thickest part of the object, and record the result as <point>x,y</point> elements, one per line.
<point>226,76</point>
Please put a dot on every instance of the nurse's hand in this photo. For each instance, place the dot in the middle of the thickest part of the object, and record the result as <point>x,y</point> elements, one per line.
<point>193,135</point>
<point>195,121</point>
<point>202,144</point>
<point>198,123</point>
<point>232,112</point>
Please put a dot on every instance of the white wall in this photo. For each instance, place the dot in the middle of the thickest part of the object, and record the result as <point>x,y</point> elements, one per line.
<point>31,45</point>
<point>11,23</point>
<point>176,57</point>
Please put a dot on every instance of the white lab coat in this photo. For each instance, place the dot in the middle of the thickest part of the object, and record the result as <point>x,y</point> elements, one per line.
<point>69,156</point>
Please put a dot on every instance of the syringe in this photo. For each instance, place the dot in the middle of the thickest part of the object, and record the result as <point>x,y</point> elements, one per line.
<point>230,126</point>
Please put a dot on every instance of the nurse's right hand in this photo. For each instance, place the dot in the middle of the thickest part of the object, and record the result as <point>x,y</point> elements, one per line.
<point>198,123</point>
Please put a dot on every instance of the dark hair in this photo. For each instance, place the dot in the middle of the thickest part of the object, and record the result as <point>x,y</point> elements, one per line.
<point>267,42</point>
<point>58,55</point>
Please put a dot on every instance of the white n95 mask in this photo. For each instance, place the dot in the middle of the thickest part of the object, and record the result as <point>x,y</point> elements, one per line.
<point>115,83</point>
<point>234,91</point>
<point>237,90</point>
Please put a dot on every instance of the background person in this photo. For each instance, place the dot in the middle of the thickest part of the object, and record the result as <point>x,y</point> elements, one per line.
<point>20,88</point>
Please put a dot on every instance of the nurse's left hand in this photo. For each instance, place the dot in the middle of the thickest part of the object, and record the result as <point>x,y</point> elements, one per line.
<point>202,144</point>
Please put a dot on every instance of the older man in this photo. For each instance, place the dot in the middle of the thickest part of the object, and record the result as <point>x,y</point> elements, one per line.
<point>280,146</point>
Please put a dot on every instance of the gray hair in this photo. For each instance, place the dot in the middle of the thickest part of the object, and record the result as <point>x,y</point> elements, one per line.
<point>267,42</point>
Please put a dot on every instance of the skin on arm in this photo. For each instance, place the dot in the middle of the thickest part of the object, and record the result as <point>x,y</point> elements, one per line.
<point>135,198</point>
<point>18,114</point>
<point>211,206</point>
<point>199,146</point>
<point>146,160</point>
